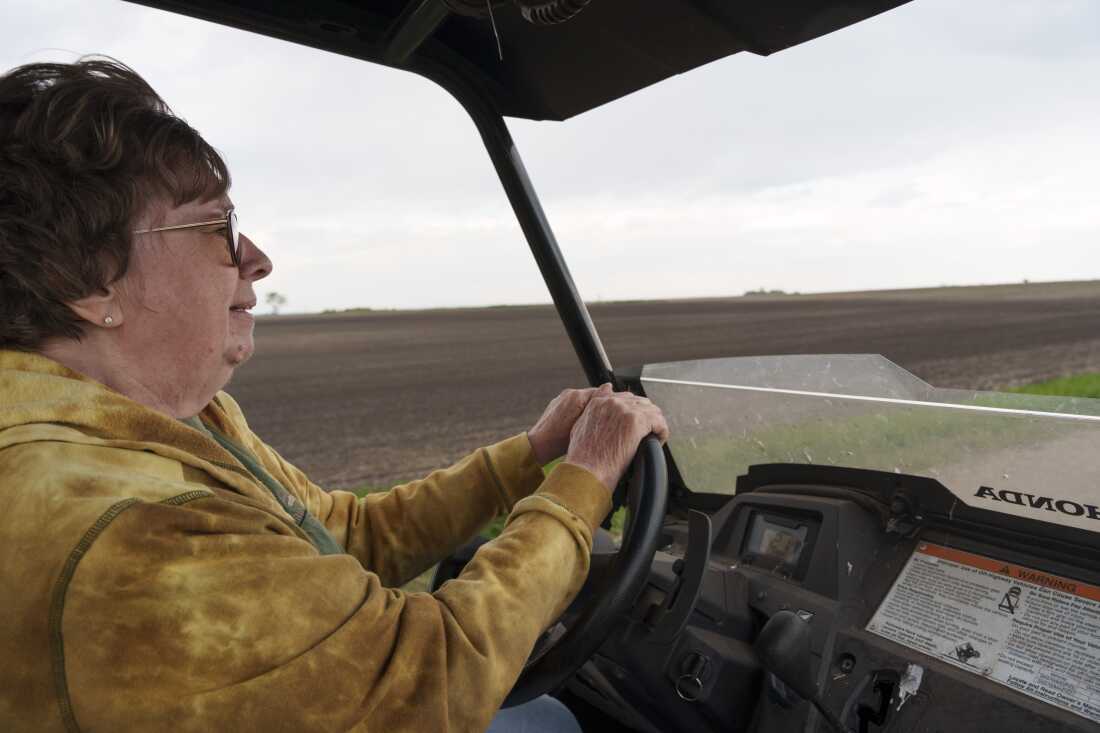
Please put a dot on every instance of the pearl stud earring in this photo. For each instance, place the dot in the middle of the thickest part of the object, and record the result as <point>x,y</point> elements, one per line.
<point>107,320</point>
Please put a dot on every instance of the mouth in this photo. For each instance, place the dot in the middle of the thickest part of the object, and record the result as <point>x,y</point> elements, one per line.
<point>243,307</point>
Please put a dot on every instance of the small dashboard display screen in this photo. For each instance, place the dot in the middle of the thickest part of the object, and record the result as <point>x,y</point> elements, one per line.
<point>780,543</point>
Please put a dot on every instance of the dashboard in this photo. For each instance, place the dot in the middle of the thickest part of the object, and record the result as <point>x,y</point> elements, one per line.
<point>913,614</point>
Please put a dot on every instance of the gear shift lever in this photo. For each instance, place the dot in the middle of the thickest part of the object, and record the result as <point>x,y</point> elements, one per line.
<point>783,647</point>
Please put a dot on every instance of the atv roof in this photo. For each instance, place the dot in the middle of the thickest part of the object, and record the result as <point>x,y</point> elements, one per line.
<point>609,49</point>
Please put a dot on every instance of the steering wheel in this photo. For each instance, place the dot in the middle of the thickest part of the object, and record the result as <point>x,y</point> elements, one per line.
<point>614,581</point>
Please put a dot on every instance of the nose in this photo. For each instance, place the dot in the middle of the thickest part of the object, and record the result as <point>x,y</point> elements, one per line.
<point>255,265</point>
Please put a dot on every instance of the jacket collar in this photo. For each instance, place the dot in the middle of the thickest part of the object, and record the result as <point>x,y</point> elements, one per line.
<point>41,399</point>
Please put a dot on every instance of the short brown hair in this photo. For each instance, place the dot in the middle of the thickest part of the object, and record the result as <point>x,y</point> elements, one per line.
<point>83,148</point>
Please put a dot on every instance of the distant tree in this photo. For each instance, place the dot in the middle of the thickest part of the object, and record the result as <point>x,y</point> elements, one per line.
<point>276,301</point>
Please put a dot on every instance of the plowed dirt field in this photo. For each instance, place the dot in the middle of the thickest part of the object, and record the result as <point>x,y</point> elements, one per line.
<point>378,397</point>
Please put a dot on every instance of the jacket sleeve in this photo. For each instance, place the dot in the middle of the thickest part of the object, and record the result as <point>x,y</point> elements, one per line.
<point>210,614</point>
<point>400,533</point>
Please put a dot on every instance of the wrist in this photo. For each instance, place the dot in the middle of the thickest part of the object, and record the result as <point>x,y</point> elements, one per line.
<point>602,475</point>
<point>540,447</point>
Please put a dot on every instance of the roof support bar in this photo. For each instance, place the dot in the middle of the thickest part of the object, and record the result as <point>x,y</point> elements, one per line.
<point>540,237</point>
<point>417,22</point>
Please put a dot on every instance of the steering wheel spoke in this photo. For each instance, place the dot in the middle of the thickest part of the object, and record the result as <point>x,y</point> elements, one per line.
<point>600,567</point>
<point>546,642</point>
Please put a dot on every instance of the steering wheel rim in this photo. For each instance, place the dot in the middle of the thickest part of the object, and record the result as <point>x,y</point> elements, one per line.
<point>647,501</point>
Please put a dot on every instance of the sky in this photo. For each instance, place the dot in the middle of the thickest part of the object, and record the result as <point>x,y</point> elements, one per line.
<point>939,143</point>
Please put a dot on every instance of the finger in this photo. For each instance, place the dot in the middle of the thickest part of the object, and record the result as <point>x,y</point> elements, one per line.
<point>584,396</point>
<point>662,431</point>
<point>661,428</point>
<point>603,393</point>
<point>657,423</point>
<point>628,398</point>
<point>657,429</point>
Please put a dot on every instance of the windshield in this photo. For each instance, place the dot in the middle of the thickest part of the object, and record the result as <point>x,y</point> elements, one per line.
<point>1022,454</point>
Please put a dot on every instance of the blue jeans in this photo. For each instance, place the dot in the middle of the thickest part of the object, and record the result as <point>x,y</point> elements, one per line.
<point>542,715</point>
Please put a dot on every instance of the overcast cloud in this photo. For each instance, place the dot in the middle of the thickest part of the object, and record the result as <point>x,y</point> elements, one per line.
<point>940,143</point>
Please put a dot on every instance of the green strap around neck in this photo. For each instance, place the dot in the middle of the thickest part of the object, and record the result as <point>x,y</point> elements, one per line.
<point>318,534</point>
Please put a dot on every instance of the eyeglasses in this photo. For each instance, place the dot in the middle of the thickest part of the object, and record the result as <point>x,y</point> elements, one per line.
<point>232,233</point>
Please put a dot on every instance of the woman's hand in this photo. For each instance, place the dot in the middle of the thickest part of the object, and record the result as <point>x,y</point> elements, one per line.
<point>550,435</point>
<point>607,434</point>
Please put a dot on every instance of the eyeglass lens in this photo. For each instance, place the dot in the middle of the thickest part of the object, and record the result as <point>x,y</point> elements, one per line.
<point>233,234</point>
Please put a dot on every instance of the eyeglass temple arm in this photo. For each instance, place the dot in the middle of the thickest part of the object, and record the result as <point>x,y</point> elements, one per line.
<point>179,226</point>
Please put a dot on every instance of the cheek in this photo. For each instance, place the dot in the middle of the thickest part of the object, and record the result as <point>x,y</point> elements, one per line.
<point>212,294</point>
<point>194,316</point>
<point>174,283</point>
<point>203,308</point>
<point>178,313</point>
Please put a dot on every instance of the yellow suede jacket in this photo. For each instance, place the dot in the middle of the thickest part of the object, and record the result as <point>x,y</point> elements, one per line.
<point>149,582</point>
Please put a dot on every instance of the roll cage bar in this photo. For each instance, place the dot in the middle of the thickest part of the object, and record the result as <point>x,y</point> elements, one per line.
<point>413,28</point>
<point>536,228</point>
<point>532,219</point>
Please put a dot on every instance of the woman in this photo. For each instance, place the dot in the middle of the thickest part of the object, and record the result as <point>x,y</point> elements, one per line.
<point>163,567</point>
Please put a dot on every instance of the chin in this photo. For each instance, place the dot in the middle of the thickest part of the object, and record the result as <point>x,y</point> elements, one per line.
<point>238,354</point>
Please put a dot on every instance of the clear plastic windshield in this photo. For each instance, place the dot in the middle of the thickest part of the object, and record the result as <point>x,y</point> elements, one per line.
<point>1030,455</point>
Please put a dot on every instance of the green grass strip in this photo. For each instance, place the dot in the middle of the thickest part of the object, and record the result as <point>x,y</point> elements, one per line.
<point>1077,385</point>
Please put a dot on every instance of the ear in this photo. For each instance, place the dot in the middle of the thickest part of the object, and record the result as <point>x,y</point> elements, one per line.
<point>101,308</point>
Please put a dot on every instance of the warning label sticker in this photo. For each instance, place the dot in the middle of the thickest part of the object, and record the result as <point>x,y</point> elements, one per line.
<point>1034,632</point>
